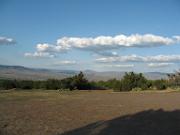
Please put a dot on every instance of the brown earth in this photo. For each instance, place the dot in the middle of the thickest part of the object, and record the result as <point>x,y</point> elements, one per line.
<point>89,113</point>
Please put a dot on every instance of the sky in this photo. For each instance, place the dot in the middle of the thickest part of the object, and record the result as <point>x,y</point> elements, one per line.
<point>101,35</point>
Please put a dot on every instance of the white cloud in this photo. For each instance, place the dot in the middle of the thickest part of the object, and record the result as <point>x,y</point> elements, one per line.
<point>39,55</point>
<point>177,38</point>
<point>136,58</point>
<point>128,58</point>
<point>48,48</point>
<point>106,43</point>
<point>65,62</point>
<point>118,41</point>
<point>156,65</point>
<point>120,65</point>
<point>163,58</point>
<point>6,41</point>
<point>106,53</point>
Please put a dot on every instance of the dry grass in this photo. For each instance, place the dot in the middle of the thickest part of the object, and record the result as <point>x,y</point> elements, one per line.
<point>54,112</point>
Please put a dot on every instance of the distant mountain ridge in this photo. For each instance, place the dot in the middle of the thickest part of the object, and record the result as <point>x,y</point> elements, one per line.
<point>25,73</point>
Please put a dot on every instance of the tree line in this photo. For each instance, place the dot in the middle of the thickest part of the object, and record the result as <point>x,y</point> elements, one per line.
<point>130,81</point>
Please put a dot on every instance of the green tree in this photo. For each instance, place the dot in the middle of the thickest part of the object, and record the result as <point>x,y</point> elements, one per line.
<point>80,82</point>
<point>132,80</point>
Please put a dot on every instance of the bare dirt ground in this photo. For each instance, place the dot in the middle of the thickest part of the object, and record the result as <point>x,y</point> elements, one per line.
<point>89,113</point>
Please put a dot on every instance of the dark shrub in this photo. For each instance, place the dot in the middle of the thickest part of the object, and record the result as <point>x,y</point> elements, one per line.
<point>160,84</point>
<point>132,80</point>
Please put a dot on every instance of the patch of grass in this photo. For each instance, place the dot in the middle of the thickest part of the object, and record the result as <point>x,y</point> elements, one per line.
<point>51,111</point>
<point>24,95</point>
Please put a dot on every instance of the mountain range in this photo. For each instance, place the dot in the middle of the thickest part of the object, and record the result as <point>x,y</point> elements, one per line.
<point>25,73</point>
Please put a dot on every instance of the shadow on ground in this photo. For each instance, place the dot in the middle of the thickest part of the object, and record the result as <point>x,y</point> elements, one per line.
<point>150,122</point>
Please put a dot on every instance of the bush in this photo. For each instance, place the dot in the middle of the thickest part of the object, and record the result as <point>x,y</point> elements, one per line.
<point>7,84</point>
<point>160,84</point>
<point>52,84</point>
<point>174,79</point>
<point>132,80</point>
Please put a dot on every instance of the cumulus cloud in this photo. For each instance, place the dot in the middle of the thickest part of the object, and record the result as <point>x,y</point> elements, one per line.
<point>49,48</point>
<point>6,41</point>
<point>156,65</point>
<point>136,58</point>
<point>107,43</point>
<point>39,55</point>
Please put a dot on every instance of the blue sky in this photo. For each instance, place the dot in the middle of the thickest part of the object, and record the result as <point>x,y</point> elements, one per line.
<point>121,35</point>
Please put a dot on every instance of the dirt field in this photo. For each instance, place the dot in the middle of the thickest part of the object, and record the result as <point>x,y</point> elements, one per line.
<point>89,113</point>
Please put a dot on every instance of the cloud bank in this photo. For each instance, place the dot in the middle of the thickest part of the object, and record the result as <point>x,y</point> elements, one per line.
<point>137,58</point>
<point>109,42</point>
<point>119,65</point>
<point>39,54</point>
<point>6,41</point>
<point>156,65</point>
<point>65,62</point>
<point>103,44</point>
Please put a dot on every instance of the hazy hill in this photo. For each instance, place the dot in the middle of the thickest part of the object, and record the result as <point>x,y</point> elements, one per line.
<point>20,72</point>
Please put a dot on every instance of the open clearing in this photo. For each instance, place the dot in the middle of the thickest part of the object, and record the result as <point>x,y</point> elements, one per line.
<point>89,113</point>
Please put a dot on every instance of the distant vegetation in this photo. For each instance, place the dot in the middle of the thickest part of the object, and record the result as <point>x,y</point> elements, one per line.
<point>130,81</point>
